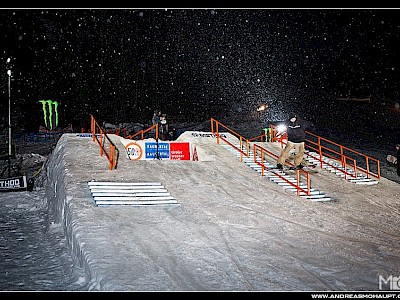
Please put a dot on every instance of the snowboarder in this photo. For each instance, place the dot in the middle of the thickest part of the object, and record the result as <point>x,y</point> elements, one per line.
<point>296,134</point>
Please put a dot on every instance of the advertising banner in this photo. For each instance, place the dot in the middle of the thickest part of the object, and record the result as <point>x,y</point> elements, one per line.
<point>13,184</point>
<point>50,113</point>
<point>172,150</point>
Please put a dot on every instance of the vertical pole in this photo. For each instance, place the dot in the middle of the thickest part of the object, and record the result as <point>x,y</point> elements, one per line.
<point>9,115</point>
<point>9,124</point>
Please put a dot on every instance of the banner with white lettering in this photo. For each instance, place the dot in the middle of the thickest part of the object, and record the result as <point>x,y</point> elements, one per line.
<point>13,184</point>
<point>148,149</point>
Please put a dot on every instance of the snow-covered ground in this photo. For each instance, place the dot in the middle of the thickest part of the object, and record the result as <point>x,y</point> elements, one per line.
<point>34,255</point>
<point>233,230</point>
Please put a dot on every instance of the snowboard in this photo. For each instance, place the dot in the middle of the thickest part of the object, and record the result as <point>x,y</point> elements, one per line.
<point>392,159</point>
<point>308,168</point>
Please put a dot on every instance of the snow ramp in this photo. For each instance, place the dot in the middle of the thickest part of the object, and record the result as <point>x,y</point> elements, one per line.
<point>233,230</point>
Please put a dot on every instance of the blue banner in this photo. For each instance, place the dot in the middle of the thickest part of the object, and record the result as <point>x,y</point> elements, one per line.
<point>151,150</point>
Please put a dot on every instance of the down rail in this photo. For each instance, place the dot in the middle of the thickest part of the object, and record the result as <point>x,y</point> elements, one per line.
<point>107,147</point>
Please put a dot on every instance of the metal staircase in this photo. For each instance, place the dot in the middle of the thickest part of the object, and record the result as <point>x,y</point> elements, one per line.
<point>276,175</point>
<point>335,167</point>
<point>130,193</point>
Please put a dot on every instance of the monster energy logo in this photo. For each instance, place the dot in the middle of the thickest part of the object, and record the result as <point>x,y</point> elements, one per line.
<point>50,113</point>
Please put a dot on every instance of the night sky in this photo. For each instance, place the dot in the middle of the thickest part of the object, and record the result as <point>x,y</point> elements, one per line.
<point>122,64</point>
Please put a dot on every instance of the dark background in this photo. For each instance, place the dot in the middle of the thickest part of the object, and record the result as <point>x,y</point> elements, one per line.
<point>122,64</point>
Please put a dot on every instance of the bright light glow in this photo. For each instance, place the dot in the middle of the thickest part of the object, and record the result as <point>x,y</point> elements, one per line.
<point>262,107</point>
<point>281,128</point>
<point>9,72</point>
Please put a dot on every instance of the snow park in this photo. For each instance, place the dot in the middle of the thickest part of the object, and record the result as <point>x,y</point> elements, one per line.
<point>153,150</point>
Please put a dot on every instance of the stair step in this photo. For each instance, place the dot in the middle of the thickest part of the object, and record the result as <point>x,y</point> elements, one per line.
<point>130,193</point>
<point>127,187</point>
<point>111,183</point>
<point>326,199</point>
<point>94,194</point>
<point>126,191</point>
<point>312,192</point>
<point>135,203</point>
<point>127,198</point>
<point>366,181</point>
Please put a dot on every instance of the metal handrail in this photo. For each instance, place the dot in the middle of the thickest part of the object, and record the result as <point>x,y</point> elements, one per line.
<point>113,153</point>
<point>351,161</point>
<point>246,144</point>
<point>262,151</point>
<point>143,131</point>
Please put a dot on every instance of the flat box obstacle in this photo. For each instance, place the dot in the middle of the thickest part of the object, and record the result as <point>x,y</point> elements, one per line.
<point>130,193</point>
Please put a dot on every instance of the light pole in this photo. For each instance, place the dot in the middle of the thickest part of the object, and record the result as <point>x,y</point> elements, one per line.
<point>9,121</point>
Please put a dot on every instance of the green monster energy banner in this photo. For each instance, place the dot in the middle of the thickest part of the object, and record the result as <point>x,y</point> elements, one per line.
<point>50,113</point>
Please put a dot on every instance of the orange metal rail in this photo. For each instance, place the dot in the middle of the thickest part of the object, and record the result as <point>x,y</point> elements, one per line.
<point>351,162</point>
<point>143,132</point>
<point>113,153</point>
<point>244,150</point>
<point>348,159</point>
<point>299,173</point>
<point>244,144</point>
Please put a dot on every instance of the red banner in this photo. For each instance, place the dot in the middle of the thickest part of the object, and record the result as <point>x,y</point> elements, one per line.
<point>179,151</point>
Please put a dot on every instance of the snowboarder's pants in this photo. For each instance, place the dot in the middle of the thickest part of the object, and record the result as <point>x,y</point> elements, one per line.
<point>298,158</point>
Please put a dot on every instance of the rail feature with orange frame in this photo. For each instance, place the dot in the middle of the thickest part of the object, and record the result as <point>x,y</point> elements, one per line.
<point>349,159</point>
<point>244,144</point>
<point>244,150</point>
<point>142,132</point>
<point>111,152</point>
<point>259,159</point>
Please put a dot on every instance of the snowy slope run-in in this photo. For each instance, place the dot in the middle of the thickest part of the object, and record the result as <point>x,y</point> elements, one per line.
<point>234,230</point>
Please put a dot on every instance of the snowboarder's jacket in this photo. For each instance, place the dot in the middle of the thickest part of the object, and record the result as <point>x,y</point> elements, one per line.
<point>296,131</point>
